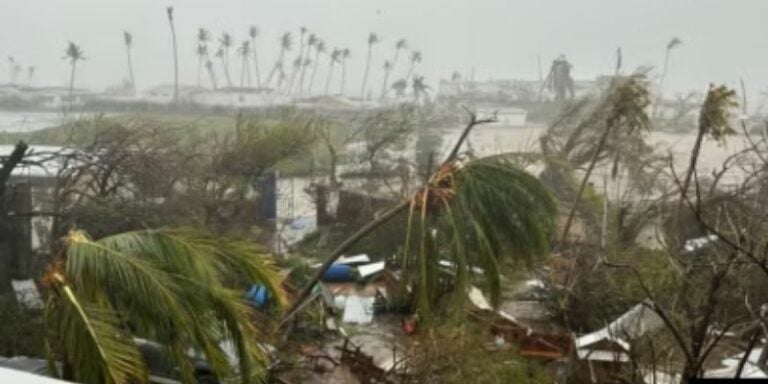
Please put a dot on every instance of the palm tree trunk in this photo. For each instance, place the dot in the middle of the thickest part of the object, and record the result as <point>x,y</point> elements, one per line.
<point>289,85</point>
<point>343,76</point>
<point>211,72</point>
<point>385,85</point>
<point>199,71</point>
<point>73,65</point>
<point>314,72</point>
<point>690,171</point>
<point>130,68</point>
<point>584,181</point>
<point>301,78</point>
<point>367,69</point>
<point>277,66</point>
<point>256,64</point>
<point>328,77</point>
<point>242,74</point>
<point>225,63</point>
<point>175,64</point>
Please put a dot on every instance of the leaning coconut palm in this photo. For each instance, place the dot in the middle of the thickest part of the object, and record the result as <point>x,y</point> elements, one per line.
<point>419,88</point>
<point>312,40</point>
<point>400,87</point>
<point>415,59</point>
<point>286,43</point>
<point>472,213</point>
<point>211,73</point>
<point>372,39</point>
<point>297,65</point>
<point>181,288</point>
<point>245,54</point>
<point>73,54</point>
<point>128,40</point>
<point>713,122</point>
<point>203,37</point>
<point>319,50</point>
<point>624,106</point>
<point>344,56</point>
<point>225,44</point>
<point>400,45</point>
<point>202,54</point>
<point>335,58</point>
<point>169,12</point>
<point>253,32</point>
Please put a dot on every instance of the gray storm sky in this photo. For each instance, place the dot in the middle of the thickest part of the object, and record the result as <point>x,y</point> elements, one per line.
<point>723,40</point>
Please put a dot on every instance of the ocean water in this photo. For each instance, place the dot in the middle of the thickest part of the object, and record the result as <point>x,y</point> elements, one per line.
<point>19,121</point>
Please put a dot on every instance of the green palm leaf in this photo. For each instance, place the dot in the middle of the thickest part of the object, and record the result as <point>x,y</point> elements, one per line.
<point>180,287</point>
<point>93,340</point>
<point>478,214</point>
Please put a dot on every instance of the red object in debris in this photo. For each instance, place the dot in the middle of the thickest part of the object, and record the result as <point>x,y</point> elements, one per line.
<point>409,325</point>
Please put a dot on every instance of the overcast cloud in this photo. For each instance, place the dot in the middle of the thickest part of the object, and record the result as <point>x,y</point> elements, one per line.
<point>723,40</point>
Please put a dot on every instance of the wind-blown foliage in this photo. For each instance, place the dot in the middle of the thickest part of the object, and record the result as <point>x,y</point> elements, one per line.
<point>178,287</point>
<point>477,214</point>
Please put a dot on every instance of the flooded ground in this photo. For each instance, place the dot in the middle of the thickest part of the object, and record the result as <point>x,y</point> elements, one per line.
<point>17,121</point>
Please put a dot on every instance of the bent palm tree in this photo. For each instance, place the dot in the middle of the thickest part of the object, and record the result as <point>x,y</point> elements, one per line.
<point>415,59</point>
<point>625,106</point>
<point>211,73</point>
<point>335,55</point>
<point>203,37</point>
<point>372,39</point>
<point>178,287</point>
<point>286,43</point>
<point>319,49</point>
<point>312,40</point>
<point>226,43</point>
<point>128,39</point>
<point>473,213</point>
<point>344,56</point>
<point>419,87</point>
<point>713,122</point>
<point>73,54</point>
<point>202,54</point>
<point>400,45</point>
<point>245,54</point>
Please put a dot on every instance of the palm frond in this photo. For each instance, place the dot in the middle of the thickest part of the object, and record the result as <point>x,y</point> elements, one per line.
<point>93,339</point>
<point>484,212</point>
<point>180,287</point>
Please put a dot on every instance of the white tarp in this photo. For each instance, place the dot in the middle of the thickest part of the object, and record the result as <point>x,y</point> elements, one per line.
<point>370,269</point>
<point>356,259</point>
<point>358,310</point>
